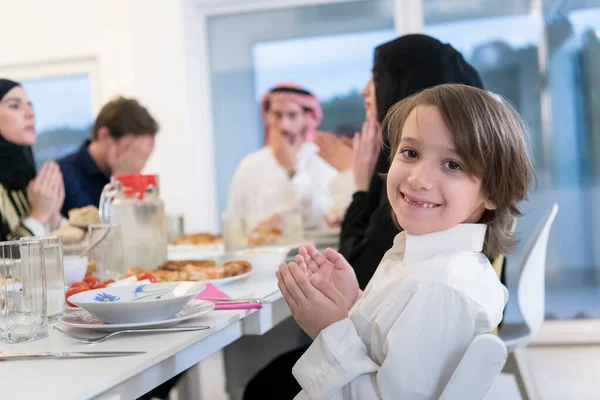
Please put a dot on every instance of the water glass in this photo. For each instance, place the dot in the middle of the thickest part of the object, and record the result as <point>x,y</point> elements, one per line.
<point>23,315</point>
<point>55,275</point>
<point>233,234</point>
<point>108,254</point>
<point>175,227</point>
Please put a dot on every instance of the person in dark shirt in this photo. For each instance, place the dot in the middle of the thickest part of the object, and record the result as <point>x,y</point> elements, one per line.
<point>122,140</point>
<point>401,68</point>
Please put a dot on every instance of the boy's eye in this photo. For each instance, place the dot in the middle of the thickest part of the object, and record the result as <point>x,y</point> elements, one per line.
<point>409,153</point>
<point>453,165</point>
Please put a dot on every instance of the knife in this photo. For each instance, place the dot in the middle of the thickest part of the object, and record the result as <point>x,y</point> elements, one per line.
<point>66,355</point>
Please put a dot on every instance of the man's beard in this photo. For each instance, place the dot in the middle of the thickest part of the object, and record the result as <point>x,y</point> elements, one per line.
<point>294,138</point>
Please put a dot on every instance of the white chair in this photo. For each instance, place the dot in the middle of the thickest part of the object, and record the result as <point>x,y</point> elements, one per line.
<point>478,369</point>
<point>531,300</point>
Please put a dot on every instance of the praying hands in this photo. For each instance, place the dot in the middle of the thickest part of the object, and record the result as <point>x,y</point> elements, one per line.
<point>318,288</point>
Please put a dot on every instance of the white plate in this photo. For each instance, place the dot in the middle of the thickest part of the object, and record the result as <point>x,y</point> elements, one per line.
<point>228,280</point>
<point>191,252</point>
<point>262,259</point>
<point>137,303</point>
<point>84,320</point>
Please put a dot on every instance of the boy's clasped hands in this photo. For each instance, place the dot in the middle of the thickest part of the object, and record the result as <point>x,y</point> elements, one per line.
<point>319,288</point>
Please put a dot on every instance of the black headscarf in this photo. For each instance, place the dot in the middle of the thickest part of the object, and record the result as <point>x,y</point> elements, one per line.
<point>413,63</point>
<point>17,167</point>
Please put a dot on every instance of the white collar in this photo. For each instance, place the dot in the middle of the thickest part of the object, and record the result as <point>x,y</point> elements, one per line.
<point>462,237</point>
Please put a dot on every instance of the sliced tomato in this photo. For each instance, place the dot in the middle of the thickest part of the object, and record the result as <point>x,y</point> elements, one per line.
<point>108,281</point>
<point>71,292</point>
<point>91,280</point>
<point>83,285</point>
<point>147,275</point>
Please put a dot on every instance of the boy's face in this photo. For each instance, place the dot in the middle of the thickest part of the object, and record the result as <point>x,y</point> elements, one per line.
<point>426,185</point>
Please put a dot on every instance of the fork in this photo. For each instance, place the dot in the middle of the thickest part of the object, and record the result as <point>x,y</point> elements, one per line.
<point>99,339</point>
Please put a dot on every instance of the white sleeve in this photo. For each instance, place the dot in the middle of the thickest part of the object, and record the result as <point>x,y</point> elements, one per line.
<point>258,190</point>
<point>342,188</point>
<point>421,345</point>
<point>312,189</point>
<point>35,227</point>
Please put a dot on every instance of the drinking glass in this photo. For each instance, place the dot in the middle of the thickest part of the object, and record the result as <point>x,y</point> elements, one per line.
<point>55,275</point>
<point>23,314</point>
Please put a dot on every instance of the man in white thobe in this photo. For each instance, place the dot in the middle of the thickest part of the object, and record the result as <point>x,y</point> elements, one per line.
<point>287,175</point>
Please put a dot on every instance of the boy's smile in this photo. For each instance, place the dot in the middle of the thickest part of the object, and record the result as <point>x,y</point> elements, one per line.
<point>427,186</point>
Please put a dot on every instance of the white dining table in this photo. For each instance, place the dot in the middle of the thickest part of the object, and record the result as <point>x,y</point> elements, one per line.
<point>167,354</point>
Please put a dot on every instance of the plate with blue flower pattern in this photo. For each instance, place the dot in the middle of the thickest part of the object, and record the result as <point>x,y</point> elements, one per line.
<point>84,320</point>
<point>137,303</point>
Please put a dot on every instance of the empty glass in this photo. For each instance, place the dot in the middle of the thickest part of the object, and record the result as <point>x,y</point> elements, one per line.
<point>108,254</point>
<point>55,275</point>
<point>23,316</point>
<point>234,237</point>
<point>175,227</point>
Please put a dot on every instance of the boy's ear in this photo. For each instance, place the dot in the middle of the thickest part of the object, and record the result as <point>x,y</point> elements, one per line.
<point>489,205</point>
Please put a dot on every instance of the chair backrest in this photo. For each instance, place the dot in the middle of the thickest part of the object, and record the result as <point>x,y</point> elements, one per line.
<point>478,368</point>
<point>531,293</point>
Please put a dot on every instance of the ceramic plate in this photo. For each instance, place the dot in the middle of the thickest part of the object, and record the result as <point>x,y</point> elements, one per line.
<point>137,303</point>
<point>85,320</point>
<point>192,252</point>
<point>228,280</point>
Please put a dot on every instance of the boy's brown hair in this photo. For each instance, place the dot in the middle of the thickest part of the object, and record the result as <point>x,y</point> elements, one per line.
<point>490,137</point>
<point>123,116</point>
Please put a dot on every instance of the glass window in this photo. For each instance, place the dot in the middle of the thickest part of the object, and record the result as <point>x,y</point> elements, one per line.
<point>336,77</point>
<point>250,52</point>
<point>63,113</point>
<point>548,65</point>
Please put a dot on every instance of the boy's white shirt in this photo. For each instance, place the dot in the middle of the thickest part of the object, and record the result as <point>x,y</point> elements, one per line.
<point>430,296</point>
<point>261,187</point>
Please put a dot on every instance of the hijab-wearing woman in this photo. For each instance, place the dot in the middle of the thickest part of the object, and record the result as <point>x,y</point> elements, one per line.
<point>401,68</point>
<point>29,205</point>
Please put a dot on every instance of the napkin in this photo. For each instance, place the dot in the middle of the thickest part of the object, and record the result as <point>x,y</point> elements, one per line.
<point>212,292</point>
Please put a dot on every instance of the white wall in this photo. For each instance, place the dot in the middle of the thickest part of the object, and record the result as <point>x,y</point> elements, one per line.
<point>167,46</point>
<point>42,33</point>
<point>133,48</point>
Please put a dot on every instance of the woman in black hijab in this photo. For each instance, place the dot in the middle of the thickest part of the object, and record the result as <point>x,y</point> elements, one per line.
<point>28,204</point>
<point>401,68</point>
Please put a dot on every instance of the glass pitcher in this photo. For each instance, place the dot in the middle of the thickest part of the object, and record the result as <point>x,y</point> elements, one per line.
<point>133,203</point>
